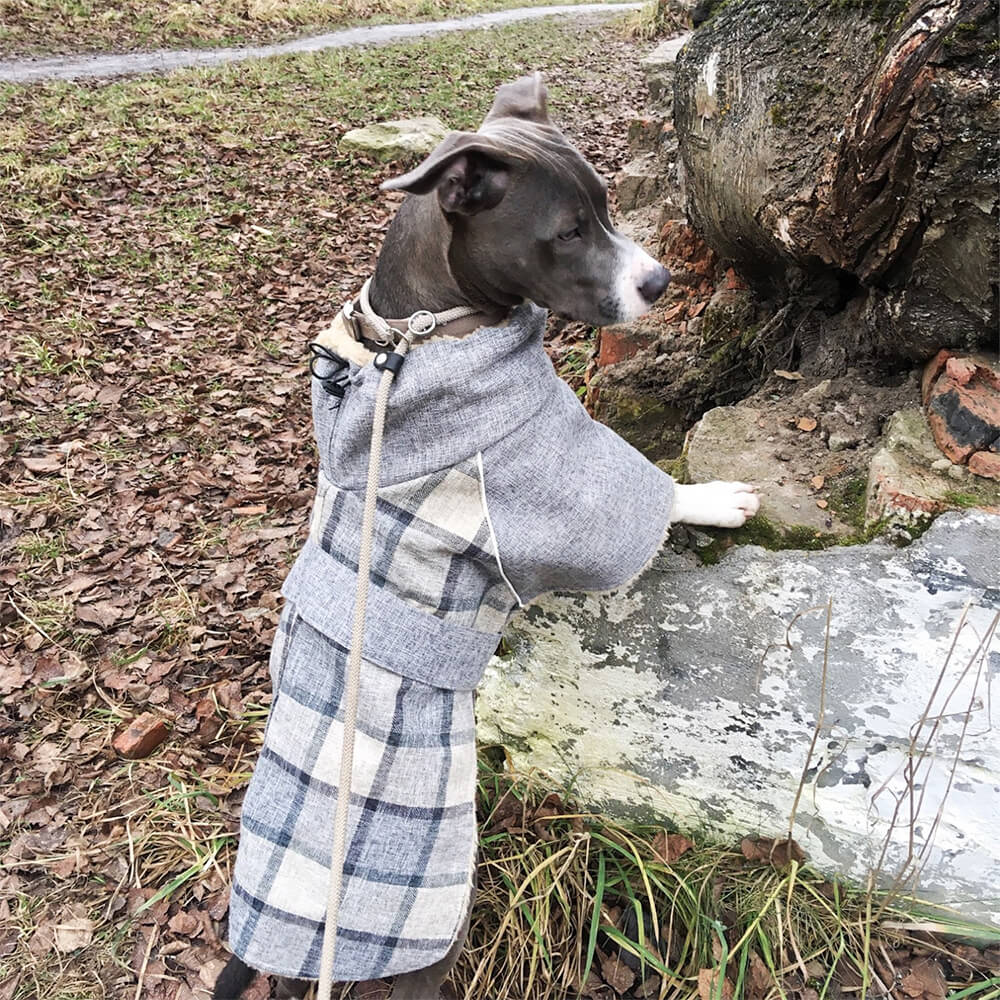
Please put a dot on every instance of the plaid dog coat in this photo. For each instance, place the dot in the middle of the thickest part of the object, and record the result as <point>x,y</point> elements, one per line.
<point>498,487</point>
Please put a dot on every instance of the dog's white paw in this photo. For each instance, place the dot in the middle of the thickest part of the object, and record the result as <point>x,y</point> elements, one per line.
<point>720,505</point>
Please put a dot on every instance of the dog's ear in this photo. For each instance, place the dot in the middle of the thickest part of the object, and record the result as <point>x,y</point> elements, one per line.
<point>467,171</point>
<point>526,98</point>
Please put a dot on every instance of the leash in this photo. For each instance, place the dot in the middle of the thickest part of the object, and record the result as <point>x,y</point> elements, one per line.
<point>389,362</point>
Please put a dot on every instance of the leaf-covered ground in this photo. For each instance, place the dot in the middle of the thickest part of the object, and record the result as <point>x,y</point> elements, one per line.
<point>169,247</point>
<point>37,27</point>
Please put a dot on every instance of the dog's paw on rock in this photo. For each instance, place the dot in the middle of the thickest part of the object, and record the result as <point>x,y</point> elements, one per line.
<point>721,505</point>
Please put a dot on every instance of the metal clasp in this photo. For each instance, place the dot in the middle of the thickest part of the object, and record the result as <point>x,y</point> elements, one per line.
<point>331,370</point>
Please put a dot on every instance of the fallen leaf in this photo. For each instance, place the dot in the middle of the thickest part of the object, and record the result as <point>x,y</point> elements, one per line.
<point>616,973</point>
<point>791,376</point>
<point>74,933</point>
<point>806,423</point>
<point>46,463</point>
<point>668,847</point>
<point>817,482</point>
<point>708,988</point>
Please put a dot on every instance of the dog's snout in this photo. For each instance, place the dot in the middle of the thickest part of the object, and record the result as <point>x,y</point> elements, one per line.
<point>654,284</point>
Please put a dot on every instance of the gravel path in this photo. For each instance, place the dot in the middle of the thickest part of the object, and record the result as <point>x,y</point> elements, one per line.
<point>163,60</point>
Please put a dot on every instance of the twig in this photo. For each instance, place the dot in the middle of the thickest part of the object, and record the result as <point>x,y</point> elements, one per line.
<point>145,961</point>
<point>819,719</point>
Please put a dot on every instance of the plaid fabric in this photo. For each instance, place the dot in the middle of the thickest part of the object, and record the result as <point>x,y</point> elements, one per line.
<point>432,546</point>
<point>412,832</point>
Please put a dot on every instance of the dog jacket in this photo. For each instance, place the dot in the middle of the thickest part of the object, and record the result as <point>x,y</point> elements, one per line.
<point>496,487</point>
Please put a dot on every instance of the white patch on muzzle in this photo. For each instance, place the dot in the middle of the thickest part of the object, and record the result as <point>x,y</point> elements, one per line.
<point>633,267</point>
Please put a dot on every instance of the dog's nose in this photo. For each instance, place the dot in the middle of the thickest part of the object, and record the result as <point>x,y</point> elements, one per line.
<point>655,284</point>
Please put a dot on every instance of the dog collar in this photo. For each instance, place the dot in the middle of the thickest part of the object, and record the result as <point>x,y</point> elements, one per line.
<point>368,325</point>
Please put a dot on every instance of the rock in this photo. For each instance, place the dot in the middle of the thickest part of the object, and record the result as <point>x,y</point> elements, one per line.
<point>638,183</point>
<point>644,134</point>
<point>658,68</point>
<point>841,441</point>
<point>645,421</point>
<point>143,735</point>
<point>406,139</point>
<point>727,444</point>
<point>788,117</point>
<point>729,313</point>
<point>906,479</point>
<point>692,694</point>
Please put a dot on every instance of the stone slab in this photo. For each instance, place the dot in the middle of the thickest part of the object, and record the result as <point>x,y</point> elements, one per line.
<point>692,695</point>
<point>728,444</point>
<point>405,139</point>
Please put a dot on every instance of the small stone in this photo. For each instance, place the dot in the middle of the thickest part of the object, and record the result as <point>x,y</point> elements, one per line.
<point>143,735</point>
<point>840,442</point>
<point>407,138</point>
<point>817,392</point>
<point>957,472</point>
<point>700,539</point>
<point>941,465</point>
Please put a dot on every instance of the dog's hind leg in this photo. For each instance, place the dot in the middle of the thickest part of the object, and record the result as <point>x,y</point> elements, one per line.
<point>291,989</point>
<point>233,980</point>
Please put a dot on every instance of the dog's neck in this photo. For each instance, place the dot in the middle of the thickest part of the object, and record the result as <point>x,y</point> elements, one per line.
<point>413,271</point>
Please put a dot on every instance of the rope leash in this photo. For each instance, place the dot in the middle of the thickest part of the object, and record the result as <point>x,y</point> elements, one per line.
<point>419,324</point>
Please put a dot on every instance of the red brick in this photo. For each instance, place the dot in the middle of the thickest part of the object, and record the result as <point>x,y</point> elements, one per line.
<point>620,344</point>
<point>963,418</point>
<point>932,370</point>
<point>143,735</point>
<point>985,463</point>
<point>734,282</point>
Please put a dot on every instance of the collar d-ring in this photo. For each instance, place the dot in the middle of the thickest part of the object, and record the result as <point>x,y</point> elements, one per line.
<point>421,323</point>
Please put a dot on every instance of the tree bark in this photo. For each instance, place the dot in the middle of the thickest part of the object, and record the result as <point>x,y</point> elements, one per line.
<point>843,155</point>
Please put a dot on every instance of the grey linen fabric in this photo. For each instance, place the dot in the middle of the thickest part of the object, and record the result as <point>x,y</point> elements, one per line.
<point>496,487</point>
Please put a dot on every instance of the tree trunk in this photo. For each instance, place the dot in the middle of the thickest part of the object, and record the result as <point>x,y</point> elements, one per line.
<point>843,154</point>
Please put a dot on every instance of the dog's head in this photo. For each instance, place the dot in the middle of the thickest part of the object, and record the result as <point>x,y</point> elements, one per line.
<point>529,216</point>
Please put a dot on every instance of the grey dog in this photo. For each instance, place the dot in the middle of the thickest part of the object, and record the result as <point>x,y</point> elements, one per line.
<point>496,487</point>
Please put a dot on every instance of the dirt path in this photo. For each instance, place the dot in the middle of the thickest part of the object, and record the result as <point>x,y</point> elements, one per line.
<point>136,63</point>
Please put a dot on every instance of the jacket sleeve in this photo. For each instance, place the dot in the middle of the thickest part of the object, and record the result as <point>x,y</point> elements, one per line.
<point>574,507</point>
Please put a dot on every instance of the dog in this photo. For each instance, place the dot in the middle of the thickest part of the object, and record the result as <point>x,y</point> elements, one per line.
<point>495,487</point>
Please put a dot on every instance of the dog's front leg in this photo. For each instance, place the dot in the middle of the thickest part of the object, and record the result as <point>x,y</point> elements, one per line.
<point>720,505</point>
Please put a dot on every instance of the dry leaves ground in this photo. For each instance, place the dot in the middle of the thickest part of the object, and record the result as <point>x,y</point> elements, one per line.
<point>170,246</point>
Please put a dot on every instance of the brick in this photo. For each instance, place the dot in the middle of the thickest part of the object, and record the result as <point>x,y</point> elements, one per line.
<point>964,418</point>
<point>143,735</point>
<point>986,464</point>
<point>621,343</point>
<point>932,370</point>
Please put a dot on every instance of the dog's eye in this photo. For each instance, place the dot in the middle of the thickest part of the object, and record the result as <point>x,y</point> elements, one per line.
<point>570,234</point>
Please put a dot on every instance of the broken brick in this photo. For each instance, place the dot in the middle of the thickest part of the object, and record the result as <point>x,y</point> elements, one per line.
<point>986,464</point>
<point>143,735</point>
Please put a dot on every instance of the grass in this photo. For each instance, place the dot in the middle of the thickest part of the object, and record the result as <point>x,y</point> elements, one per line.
<point>35,27</point>
<point>562,893</point>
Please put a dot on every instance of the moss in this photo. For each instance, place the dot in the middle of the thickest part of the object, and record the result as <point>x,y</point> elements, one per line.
<point>847,496</point>
<point>962,500</point>
<point>778,117</point>
<point>768,535</point>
